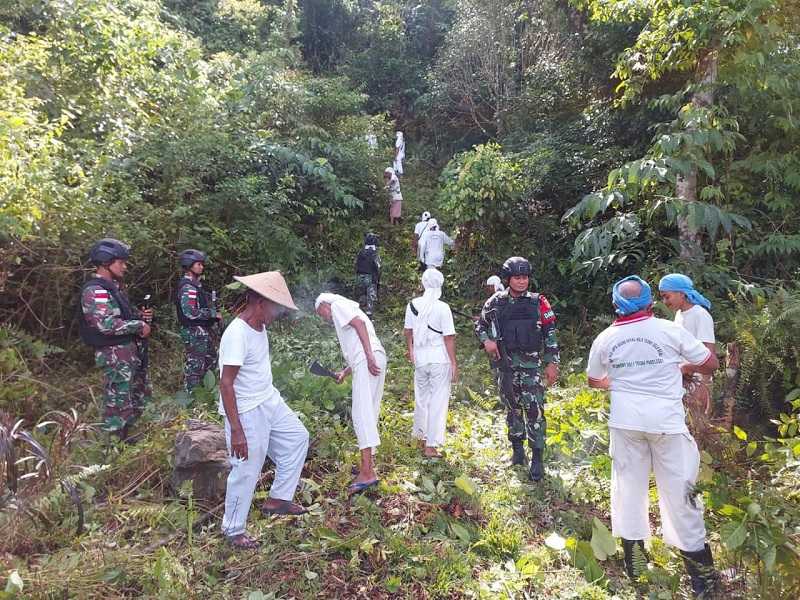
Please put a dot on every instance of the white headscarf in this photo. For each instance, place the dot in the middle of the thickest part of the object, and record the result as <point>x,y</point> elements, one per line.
<point>432,281</point>
<point>425,216</point>
<point>432,223</point>
<point>327,298</point>
<point>495,281</point>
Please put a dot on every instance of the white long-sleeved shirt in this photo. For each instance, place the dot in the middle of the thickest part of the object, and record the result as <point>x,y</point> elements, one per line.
<point>432,245</point>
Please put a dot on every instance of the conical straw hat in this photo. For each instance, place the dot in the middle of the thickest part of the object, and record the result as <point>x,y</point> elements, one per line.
<point>271,285</point>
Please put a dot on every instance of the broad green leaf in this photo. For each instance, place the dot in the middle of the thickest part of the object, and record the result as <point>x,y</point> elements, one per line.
<point>739,433</point>
<point>734,534</point>
<point>209,380</point>
<point>461,532</point>
<point>465,484</point>
<point>603,544</point>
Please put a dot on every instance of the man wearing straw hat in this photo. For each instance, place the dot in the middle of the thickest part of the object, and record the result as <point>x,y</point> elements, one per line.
<point>258,423</point>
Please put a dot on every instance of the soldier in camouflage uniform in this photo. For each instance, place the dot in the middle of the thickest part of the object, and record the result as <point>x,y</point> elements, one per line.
<point>116,331</point>
<point>368,272</point>
<point>517,328</point>
<point>197,316</point>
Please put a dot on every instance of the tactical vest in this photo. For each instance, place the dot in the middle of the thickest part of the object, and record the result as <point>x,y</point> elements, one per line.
<point>365,261</point>
<point>202,301</point>
<point>518,324</point>
<point>92,336</point>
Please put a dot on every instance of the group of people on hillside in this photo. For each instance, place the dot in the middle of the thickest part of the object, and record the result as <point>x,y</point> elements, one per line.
<point>644,361</point>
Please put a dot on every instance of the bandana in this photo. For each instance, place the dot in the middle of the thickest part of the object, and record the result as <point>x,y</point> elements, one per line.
<point>628,306</point>
<point>676,282</point>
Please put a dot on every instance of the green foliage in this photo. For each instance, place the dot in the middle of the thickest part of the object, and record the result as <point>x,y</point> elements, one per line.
<point>482,186</point>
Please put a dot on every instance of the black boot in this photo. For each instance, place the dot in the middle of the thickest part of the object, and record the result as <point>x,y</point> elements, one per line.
<point>537,465</point>
<point>700,566</point>
<point>518,456</point>
<point>630,562</point>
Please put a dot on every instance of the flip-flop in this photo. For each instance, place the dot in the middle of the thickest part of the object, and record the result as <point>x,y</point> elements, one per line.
<point>242,542</point>
<point>287,508</point>
<point>355,488</point>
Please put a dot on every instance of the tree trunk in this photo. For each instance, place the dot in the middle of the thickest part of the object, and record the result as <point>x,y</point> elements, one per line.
<point>686,185</point>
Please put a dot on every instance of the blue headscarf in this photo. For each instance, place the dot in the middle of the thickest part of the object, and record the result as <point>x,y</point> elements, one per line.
<point>676,282</point>
<point>628,306</point>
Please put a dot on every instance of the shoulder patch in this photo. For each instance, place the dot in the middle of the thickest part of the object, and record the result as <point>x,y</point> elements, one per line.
<point>548,316</point>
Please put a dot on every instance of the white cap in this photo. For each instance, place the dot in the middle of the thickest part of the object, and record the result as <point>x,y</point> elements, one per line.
<point>426,215</point>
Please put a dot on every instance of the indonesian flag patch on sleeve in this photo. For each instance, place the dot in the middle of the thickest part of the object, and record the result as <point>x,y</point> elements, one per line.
<point>548,316</point>
<point>101,299</point>
<point>192,296</point>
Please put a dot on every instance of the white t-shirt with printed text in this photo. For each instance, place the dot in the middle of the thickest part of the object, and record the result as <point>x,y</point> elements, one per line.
<point>641,358</point>
<point>352,350</point>
<point>243,346</point>
<point>434,351</point>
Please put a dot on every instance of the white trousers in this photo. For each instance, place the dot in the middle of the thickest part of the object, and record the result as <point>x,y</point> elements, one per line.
<point>271,429</point>
<point>675,460</point>
<point>366,408</point>
<point>431,397</point>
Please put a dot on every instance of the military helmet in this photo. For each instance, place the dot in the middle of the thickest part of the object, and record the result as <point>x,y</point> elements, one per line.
<point>516,265</point>
<point>189,257</point>
<point>108,249</point>
<point>370,239</point>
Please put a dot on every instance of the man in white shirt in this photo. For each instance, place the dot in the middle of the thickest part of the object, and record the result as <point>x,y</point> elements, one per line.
<point>366,360</point>
<point>692,313</point>
<point>258,423</point>
<point>419,229</point>
<point>431,347</point>
<point>639,359</point>
<point>432,244</point>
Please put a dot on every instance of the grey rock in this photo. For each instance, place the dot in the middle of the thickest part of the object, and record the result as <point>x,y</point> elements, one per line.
<point>202,457</point>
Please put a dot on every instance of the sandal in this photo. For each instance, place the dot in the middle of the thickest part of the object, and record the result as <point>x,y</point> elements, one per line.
<point>243,542</point>
<point>285,508</point>
<point>355,488</point>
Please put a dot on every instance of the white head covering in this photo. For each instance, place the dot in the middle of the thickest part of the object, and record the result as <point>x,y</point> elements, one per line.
<point>389,170</point>
<point>432,223</point>
<point>432,281</point>
<point>327,298</point>
<point>426,215</point>
<point>495,281</point>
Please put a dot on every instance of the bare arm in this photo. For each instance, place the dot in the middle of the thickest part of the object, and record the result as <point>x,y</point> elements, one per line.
<point>238,439</point>
<point>707,367</point>
<point>363,335</point>
<point>450,345</point>
<point>409,334</point>
<point>600,384</point>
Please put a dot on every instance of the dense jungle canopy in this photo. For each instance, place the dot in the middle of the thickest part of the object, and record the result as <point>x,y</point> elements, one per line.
<point>598,138</point>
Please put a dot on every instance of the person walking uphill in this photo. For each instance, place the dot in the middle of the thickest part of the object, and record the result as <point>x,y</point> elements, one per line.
<point>639,359</point>
<point>517,329</point>
<point>431,348</point>
<point>432,244</point>
<point>366,360</point>
<point>197,316</point>
<point>395,197</point>
<point>258,423</point>
<point>109,324</point>
<point>692,312</point>
<point>368,271</point>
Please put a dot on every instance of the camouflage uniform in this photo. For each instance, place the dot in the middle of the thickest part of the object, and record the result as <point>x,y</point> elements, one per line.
<point>364,282</point>
<point>199,339</point>
<point>126,383</point>
<point>368,275</point>
<point>520,378</point>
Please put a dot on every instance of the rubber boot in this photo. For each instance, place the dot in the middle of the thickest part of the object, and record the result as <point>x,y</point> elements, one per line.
<point>518,456</point>
<point>537,465</point>
<point>700,566</point>
<point>628,550</point>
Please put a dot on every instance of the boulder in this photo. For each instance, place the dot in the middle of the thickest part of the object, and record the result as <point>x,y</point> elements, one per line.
<point>202,457</point>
